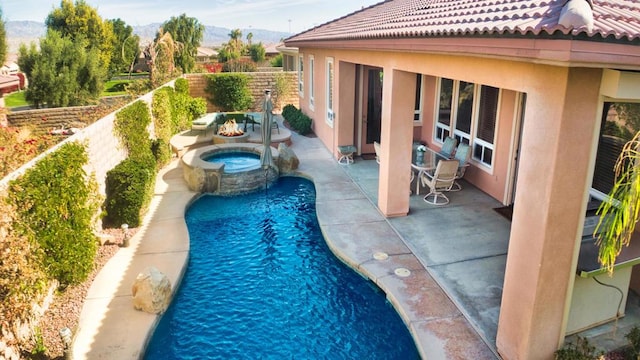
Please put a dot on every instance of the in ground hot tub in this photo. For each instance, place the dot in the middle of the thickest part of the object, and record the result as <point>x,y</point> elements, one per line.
<point>204,173</point>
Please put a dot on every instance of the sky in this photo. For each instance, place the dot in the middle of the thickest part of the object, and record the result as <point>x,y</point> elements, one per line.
<point>291,16</point>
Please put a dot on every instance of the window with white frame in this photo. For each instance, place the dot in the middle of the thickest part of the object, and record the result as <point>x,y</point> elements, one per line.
<point>311,82</point>
<point>417,110</point>
<point>468,112</point>
<point>483,142</point>
<point>463,111</point>
<point>301,75</point>
<point>330,84</point>
<point>443,123</point>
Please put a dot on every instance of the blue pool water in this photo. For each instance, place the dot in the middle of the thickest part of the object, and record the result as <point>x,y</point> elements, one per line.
<point>236,161</point>
<point>262,284</point>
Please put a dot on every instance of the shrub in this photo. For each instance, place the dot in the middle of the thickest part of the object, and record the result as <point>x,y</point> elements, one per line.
<point>288,110</point>
<point>634,341</point>
<point>229,92</point>
<point>22,279</point>
<point>129,187</point>
<point>56,203</point>
<point>161,152</point>
<point>131,126</point>
<point>163,123</point>
<point>181,85</point>
<point>298,121</point>
<point>580,350</point>
<point>277,61</point>
<point>19,145</point>
<point>239,65</point>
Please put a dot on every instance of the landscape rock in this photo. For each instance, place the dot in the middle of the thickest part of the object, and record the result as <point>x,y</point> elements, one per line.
<point>151,291</point>
<point>288,160</point>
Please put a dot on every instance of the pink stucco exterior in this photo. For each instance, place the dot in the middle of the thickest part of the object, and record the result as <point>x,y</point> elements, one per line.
<point>556,135</point>
<point>554,76</point>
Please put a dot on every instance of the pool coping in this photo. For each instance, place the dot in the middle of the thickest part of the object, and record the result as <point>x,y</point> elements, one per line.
<point>353,227</point>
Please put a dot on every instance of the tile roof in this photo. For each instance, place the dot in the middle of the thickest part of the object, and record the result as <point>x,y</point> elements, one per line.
<point>617,19</point>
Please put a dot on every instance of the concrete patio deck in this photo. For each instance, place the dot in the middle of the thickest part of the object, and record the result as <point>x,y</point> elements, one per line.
<point>450,301</point>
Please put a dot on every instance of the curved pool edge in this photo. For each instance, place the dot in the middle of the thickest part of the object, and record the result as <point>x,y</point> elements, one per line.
<point>109,326</point>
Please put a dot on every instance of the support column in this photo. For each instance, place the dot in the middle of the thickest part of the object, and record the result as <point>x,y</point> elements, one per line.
<point>398,96</point>
<point>553,180</point>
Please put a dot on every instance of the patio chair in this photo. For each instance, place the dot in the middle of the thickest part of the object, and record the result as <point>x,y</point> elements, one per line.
<point>463,154</point>
<point>376,147</point>
<point>448,147</point>
<point>441,181</point>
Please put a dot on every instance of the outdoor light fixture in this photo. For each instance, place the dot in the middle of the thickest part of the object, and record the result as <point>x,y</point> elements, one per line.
<point>125,235</point>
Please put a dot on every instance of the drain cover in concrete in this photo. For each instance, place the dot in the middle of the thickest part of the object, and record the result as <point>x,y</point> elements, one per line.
<point>402,272</point>
<point>380,256</point>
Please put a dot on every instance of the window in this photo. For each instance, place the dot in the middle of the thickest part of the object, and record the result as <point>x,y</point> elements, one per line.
<point>443,125</point>
<point>473,118</point>
<point>464,112</point>
<point>417,110</point>
<point>486,128</point>
<point>311,75</point>
<point>620,122</point>
<point>330,84</point>
<point>301,75</point>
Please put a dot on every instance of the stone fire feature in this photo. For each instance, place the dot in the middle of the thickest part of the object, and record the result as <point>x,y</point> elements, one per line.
<point>222,139</point>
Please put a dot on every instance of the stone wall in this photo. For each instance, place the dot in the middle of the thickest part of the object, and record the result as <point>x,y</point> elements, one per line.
<point>44,120</point>
<point>103,146</point>
<point>259,82</point>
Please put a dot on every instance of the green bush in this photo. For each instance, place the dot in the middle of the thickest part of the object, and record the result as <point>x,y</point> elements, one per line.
<point>288,110</point>
<point>56,204</point>
<point>276,61</point>
<point>129,188</point>
<point>181,86</point>
<point>229,92</point>
<point>161,108</point>
<point>298,121</point>
<point>131,126</point>
<point>161,152</point>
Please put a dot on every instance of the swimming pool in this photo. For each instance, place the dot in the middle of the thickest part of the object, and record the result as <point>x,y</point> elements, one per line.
<point>261,283</point>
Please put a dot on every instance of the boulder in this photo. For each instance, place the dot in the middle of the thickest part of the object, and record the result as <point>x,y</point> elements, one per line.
<point>288,160</point>
<point>151,291</point>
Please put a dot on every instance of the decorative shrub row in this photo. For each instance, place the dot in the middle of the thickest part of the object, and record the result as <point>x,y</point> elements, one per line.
<point>129,188</point>
<point>56,203</point>
<point>298,120</point>
<point>229,91</point>
<point>130,185</point>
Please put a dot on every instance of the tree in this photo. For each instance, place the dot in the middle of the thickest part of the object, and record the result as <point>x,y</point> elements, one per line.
<point>235,43</point>
<point>3,40</point>
<point>62,73</point>
<point>189,33</point>
<point>81,21</point>
<point>249,38</point>
<point>619,216</point>
<point>257,52</point>
<point>126,47</point>
<point>161,54</point>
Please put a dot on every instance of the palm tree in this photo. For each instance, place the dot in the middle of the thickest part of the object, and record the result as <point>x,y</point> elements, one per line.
<point>618,216</point>
<point>249,38</point>
<point>235,42</point>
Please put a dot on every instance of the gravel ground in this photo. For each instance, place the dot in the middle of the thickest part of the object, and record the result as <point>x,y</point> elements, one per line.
<point>66,307</point>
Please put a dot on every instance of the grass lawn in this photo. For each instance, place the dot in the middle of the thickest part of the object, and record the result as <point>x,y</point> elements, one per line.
<point>115,87</point>
<point>15,99</point>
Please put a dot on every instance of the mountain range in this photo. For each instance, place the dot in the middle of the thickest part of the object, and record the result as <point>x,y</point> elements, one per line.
<point>24,32</point>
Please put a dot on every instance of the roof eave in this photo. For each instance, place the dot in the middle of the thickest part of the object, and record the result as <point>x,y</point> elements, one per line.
<point>561,52</point>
